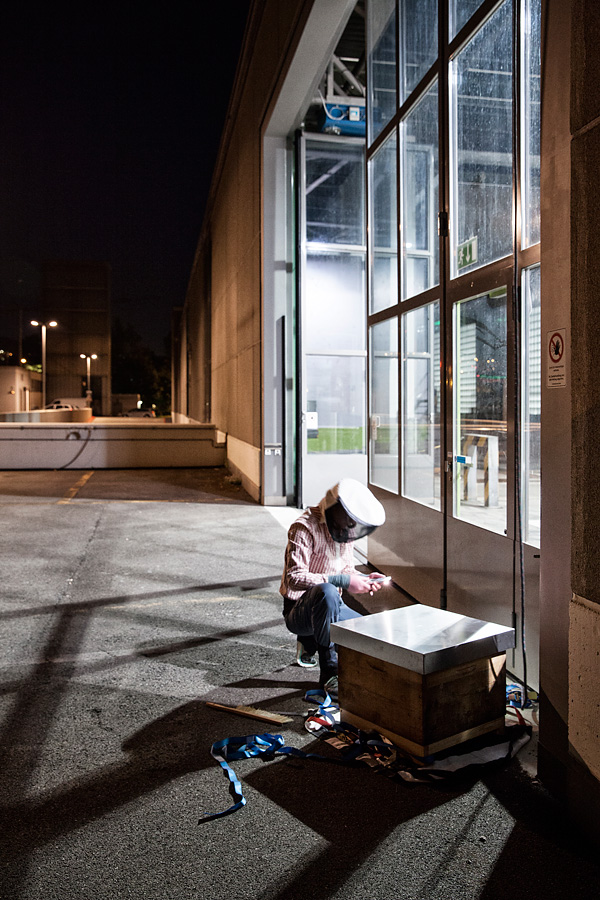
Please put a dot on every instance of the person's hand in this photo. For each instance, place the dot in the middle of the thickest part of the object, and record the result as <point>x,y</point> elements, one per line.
<point>363,584</point>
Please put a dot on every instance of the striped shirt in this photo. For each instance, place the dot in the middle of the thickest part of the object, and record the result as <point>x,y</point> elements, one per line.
<point>312,554</point>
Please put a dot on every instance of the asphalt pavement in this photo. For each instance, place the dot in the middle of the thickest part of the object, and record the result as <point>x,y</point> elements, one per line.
<point>130,598</point>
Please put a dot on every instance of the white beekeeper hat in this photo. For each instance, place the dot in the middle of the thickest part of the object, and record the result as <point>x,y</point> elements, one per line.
<point>362,507</point>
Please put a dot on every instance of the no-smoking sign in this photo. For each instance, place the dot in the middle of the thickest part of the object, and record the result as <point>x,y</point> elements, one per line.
<point>556,369</point>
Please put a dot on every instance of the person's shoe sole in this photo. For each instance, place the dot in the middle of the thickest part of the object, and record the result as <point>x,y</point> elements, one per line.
<point>304,659</point>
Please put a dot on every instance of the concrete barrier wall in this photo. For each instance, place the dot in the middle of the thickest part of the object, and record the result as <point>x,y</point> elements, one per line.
<point>48,415</point>
<point>109,445</point>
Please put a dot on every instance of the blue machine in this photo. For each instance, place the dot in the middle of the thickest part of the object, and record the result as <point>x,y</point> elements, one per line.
<point>343,118</point>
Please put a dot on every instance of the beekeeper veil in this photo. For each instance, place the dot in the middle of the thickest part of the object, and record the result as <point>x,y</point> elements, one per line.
<point>351,511</point>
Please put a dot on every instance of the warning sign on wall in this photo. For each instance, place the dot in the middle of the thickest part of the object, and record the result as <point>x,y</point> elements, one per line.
<point>556,358</point>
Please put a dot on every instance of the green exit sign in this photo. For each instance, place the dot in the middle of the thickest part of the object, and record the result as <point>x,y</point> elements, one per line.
<point>466,254</point>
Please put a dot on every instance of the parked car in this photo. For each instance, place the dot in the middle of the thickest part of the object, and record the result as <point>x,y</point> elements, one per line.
<point>58,404</point>
<point>141,413</point>
<point>67,403</point>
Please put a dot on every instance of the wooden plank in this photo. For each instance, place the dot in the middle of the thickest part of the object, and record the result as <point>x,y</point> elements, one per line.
<point>252,713</point>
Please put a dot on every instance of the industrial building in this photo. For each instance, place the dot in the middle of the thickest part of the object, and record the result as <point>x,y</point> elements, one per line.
<point>76,294</point>
<point>396,280</point>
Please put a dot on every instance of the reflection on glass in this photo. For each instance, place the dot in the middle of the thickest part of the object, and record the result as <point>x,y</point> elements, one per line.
<point>335,349</point>
<point>419,165</point>
<point>384,227</point>
<point>421,405</point>
<point>334,302</point>
<point>334,193</point>
<point>480,411</point>
<point>481,145</point>
<point>383,383</point>
<point>381,64</point>
<point>530,126</point>
<point>531,406</point>
<point>460,13</point>
<point>335,404</point>
<point>418,42</point>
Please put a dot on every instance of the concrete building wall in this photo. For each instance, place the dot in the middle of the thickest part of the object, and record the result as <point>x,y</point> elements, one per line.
<point>569,750</point>
<point>555,581</point>
<point>198,347</point>
<point>584,632</point>
<point>178,367</point>
<point>224,295</point>
<point>19,389</point>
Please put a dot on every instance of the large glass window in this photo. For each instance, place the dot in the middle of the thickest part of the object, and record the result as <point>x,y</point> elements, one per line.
<point>479,82</point>
<point>334,301</point>
<point>381,56</point>
<point>420,201</point>
<point>460,13</point>
<point>531,406</point>
<point>418,43</point>
<point>335,405</point>
<point>335,352</point>
<point>421,405</point>
<point>530,122</point>
<point>481,141</point>
<point>384,227</point>
<point>480,411</point>
<point>334,193</point>
<point>384,405</point>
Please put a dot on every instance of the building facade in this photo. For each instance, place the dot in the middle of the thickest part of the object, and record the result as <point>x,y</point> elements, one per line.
<point>396,280</point>
<point>20,389</point>
<point>77,295</point>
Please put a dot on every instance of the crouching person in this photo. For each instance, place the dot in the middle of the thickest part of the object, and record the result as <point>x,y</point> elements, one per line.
<point>319,563</point>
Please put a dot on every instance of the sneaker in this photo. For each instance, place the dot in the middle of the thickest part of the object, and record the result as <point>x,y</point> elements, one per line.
<point>304,658</point>
<point>331,686</point>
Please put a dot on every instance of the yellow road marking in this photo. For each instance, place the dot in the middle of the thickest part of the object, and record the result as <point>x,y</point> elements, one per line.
<point>73,491</point>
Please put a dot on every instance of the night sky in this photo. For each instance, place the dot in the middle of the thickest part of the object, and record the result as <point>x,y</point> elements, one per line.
<point>110,120</point>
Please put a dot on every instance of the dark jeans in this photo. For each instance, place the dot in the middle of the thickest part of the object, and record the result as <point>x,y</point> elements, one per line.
<point>311,616</point>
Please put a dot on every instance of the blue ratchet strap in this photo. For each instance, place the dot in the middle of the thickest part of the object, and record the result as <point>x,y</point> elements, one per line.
<point>319,692</point>
<point>324,715</point>
<point>518,697</point>
<point>241,748</point>
<point>264,745</point>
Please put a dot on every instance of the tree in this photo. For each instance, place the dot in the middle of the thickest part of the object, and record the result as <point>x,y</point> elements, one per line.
<point>138,370</point>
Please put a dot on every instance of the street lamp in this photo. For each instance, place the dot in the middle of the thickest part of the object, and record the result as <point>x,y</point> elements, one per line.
<point>43,326</point>
<point>88,386</point>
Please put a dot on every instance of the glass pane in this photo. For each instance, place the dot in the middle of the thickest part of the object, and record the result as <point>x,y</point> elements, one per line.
<point>334,193</point>
<point>531,122</point>
<point>421,405</point>
<point>419,164</point>
<point>460,13</point>
<point>384,227</point>
<point>335,404</point>
<point>381,64</point>
<point>418,42</point>
<point>383,378</point>
<point>481,142</point>
<point>480,405</point>
<point>531,406</point>
<point>334,302</point>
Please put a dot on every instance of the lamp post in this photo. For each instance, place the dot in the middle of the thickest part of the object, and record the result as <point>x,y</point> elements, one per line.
<point>44,326</point>
<point>88,386</point>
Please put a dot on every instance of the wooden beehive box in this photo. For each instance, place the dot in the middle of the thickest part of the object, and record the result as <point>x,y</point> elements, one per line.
<point>426,678</point>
